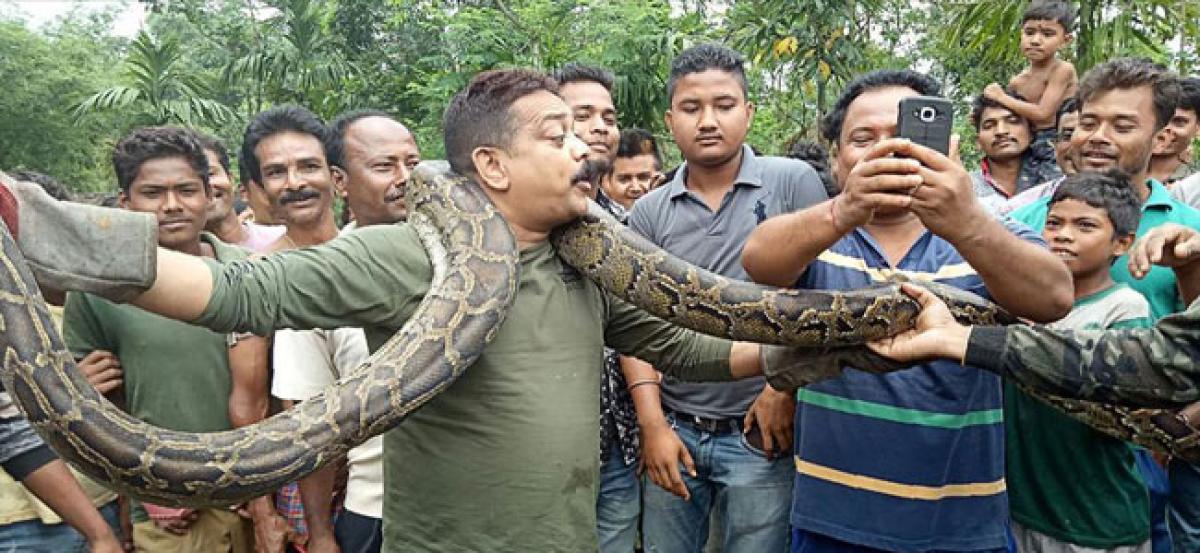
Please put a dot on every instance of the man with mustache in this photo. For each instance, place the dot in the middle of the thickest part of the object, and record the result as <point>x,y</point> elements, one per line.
<point>1124,103</point>
<point>284,152</point>
<point>1003,137</point>
<point>587,90</point>
<point>371,156</point>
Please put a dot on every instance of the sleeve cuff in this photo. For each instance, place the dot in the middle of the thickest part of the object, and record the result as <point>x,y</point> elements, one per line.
<point>985,348</point>
<point>24,464</point>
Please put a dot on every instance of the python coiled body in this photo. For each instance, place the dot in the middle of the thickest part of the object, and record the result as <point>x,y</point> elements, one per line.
<point>476,271</point>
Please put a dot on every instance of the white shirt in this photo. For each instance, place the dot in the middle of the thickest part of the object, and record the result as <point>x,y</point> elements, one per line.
<point>308,361</point>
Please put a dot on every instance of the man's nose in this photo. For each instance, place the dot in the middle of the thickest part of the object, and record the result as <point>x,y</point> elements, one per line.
<point>577,147</point>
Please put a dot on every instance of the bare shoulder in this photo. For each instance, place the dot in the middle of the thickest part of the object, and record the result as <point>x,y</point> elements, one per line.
<point>1020,79</point>
<point>1064,69</point>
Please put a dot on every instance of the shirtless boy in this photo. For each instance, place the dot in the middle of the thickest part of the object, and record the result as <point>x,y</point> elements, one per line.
<point>1046,83</point>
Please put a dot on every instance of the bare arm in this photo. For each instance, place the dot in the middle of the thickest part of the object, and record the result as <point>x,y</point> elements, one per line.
<point>781,248</point>
<point>1021,276</point>
<point>182,288</point>
<point>59,490</point>
<point>1045,109</point>
<point>248,404</point>
<point>248,367</point>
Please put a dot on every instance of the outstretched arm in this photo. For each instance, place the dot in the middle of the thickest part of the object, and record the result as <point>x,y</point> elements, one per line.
<point>376,276</point>
<point>782,247</point>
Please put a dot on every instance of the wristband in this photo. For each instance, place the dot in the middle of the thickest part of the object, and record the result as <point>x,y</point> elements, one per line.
<point>657,381</point>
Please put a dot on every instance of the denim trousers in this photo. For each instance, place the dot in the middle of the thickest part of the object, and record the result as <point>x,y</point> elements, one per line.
<point>1184,515</point>
<point>618,505</point>
<point>751,494</point>
<point>32,536</point>
<point>1159,488</point>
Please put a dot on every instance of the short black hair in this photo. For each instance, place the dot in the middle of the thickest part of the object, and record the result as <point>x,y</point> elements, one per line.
<point>209,142</point>
<point>335,133</point>
<point>1070,105</point>
<point>704,57</point>
<point>279,119</point>
<point>149,143</point>
<point>244,170</point>
<point>1126,73</point>
<point>579,72</point>
<point>1189,94</point>
<point>1109,190</point>
<point>982,102</point>
<point>831,124</point>
<point>816,156</point>
<point>480,114</point>
<point>48,183</point>
<point>639,142</point>
<point>1058,12</point>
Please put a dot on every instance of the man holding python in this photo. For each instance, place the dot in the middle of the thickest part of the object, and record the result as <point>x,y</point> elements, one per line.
<point>500,461</point>
<point>506,458</point>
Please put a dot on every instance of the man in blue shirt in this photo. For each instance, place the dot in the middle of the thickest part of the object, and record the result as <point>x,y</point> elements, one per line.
<point>914,460</point>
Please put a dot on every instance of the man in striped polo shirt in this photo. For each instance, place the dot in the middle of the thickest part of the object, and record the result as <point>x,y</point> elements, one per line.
<point>914,460</point>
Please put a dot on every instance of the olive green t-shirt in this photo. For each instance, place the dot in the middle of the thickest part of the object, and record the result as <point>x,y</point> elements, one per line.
<point>507,458</point>
<point>176,375</point>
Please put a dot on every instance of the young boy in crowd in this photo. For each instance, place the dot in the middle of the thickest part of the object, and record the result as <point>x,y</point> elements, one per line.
<point>636,169</point>
<point>1046,83</point>
<point>1070,487</point>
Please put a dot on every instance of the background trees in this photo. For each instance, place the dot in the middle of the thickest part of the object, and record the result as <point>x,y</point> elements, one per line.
<point>72,88</point>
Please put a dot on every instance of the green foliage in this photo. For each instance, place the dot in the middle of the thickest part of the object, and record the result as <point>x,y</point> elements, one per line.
<point>157,90</point>
<point>72,89</point>
<point>44,75</point>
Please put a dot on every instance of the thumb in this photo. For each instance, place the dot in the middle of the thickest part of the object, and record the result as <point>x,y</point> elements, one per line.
<point>685,456</point>
<point>748,421</point>
<point>923,296</point>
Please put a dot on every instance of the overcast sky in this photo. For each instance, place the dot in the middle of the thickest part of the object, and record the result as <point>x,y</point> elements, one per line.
<point>37,13</point>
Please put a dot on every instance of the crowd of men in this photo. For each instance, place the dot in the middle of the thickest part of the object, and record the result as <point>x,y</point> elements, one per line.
<point>566,435</point>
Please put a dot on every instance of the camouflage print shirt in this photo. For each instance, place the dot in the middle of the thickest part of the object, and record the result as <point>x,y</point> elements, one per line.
<point>1153,367</point>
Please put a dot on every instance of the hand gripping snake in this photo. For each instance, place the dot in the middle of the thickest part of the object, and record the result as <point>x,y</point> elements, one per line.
<point>476,271</point>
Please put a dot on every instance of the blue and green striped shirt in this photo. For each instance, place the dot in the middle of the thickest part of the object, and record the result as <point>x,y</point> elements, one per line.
<point>912,460</point>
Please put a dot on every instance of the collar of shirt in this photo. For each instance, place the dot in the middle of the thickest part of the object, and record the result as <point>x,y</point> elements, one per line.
<point>750,173</point>
<point>1159,197</point>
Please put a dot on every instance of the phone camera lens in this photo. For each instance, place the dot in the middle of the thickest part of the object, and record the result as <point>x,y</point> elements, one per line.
<point>927,114</point>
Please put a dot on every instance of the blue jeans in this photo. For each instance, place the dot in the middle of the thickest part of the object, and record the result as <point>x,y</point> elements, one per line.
<point>356,533</point>
<point>1159,489</point>
<point>619,505</point>
<point>32,536</point>
<point>753,497</point>
<point>1184,514</point>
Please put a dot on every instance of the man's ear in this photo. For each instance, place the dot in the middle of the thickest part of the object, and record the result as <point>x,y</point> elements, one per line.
<point>490,167</point>
<point>667,119</point>
<point>339,180</point>
<point>1122,244</point>
<point>750,108</point>
<point>1068,38</point>
<point>122,200</point>
<point>1162,139</point>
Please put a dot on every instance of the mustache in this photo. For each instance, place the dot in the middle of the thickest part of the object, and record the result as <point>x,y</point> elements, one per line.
<point>591,171</point>
<point>394,194</point>
<point>290,196</point>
